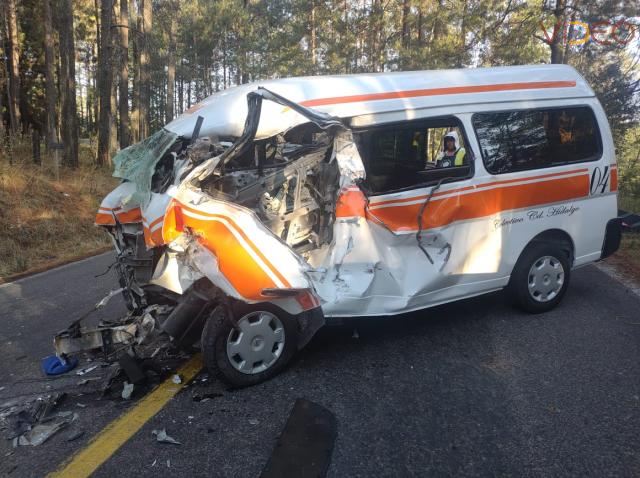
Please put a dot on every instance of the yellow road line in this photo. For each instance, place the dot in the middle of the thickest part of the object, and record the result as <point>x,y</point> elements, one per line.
<point>114,435</point>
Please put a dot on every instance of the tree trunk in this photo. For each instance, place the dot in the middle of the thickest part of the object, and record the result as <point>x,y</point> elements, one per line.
<point>50,85</point>
<point>114,66</point>
<point>95,53</point>
<point>181,88</point>
<point>113,130</point>
<point>314,58</point>
<point>35,146</point>
<point>567,48</point>
<point>13,88</point>
<point>171,67</point>
<point>135,93</point>
<point>124,73</point>
<point>557,41</point>
<point>406,8</point>
<point>105,79</point>
<point>145,71</point>
<point>69,125</point>
<point>419,26</point>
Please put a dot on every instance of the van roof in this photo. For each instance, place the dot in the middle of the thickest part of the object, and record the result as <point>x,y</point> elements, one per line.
<point>348,96</point>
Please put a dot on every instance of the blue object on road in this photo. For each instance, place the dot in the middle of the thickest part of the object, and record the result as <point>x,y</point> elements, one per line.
<point>54,365</point>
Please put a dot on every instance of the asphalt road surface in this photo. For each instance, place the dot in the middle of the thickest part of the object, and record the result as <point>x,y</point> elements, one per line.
<point>468,389</point>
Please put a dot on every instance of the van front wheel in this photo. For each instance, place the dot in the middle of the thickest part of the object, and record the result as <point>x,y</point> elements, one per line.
<point>540,278</point>
<point>251,349</point>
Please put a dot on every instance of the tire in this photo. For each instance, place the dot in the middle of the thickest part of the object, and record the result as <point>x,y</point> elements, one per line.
<point>540,278</point>
<point>221,337</point>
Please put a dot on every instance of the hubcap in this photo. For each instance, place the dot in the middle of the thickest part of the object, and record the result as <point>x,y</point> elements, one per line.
<point>256,342</point>
<point>546,278</point>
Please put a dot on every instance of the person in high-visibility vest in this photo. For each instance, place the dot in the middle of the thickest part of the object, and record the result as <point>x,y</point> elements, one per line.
<point>452,154</point>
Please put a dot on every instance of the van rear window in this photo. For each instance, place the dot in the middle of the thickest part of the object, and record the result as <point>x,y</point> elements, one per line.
<point>539,138</point>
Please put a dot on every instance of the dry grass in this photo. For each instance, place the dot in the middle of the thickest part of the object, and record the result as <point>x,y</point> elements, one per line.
<point>46,212</point>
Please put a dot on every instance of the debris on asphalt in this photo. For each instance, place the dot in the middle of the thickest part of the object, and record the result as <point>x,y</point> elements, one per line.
<point>74,435</point>
<point>176,379</point>
<point>20,424</point>
<point>54,365</point>
<point>253,421</point>
<point>168,463</point>
<point>132,369</point>
<point>154,463</point>
<point>32,421</point>
<point>162,437</point>
<point>203,397</point>
<point>85,381</point>
<point>81,405</point>
<point>85,371</point>
<point>127,390</point>
<point>355,335</point>
<point>42,432</point>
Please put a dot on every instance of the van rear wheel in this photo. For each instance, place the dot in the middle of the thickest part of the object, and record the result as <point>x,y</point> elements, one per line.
<point>540,277</point>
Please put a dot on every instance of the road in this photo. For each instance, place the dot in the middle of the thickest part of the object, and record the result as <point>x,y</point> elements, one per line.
<point>468,389</point>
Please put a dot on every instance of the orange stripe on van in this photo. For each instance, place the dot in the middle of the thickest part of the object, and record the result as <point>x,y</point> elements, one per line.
<point>127,217</point>
<point>452,90</point>
<point>234,260</point>
<point>253,247</point>
<point>441,212</point>
<point>351,203</point>
<point>152,239</point>
<point>103,219</point>
<point>614,179</point>
<point>156,221</point>
<point>478,186</point>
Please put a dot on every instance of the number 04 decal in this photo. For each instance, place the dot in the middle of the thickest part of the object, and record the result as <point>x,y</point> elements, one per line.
<point>599,181</point>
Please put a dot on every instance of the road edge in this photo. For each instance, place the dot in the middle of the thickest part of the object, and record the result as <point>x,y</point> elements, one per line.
<point>10,279</point>
<point>619,276</point>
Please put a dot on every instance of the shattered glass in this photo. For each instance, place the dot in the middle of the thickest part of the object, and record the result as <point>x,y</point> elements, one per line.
<point>137,163</point>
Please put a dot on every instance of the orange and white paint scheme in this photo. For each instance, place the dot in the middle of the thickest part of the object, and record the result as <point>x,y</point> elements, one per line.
<point>341,237</point>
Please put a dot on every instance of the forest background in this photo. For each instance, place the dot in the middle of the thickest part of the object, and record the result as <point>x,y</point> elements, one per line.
<point>81,79</point>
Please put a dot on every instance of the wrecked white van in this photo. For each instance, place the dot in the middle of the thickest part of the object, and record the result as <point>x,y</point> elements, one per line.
<point>270,207</point>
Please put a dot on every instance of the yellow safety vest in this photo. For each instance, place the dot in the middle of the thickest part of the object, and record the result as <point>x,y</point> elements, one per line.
<point>458,157</point>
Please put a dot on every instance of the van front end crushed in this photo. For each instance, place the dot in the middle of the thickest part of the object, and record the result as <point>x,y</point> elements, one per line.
<point>201,232</point>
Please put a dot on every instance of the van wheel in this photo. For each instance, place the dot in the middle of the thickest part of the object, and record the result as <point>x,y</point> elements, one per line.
<point>253,349</point>
<point>540,277</point>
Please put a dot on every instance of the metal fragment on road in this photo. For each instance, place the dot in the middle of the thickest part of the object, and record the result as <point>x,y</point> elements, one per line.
<point>74,435</point>
<point>86,370</point>
<point>41,433</point>
<point>127,390</point>
<point>162,437</point>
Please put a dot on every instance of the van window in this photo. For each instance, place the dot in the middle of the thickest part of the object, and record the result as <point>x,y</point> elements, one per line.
<point>413,154</point>
<point>532,139</point>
